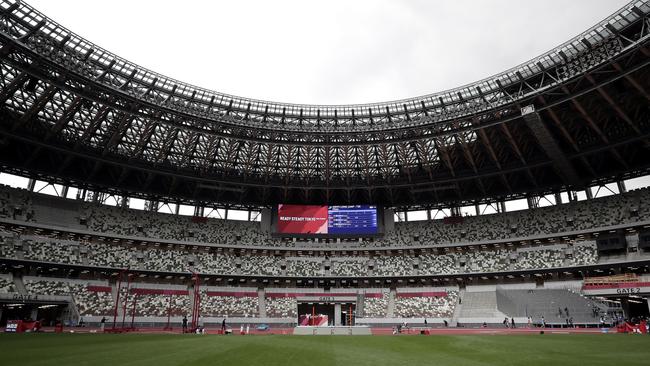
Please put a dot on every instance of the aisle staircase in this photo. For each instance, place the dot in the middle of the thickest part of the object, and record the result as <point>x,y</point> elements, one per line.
<point>479,307</point>
<point>457,309</point>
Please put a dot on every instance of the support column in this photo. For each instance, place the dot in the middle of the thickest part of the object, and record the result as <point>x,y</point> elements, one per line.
<point>503,206</point>
<point>558,198</point>
<point>477,209</point>
<point>337,314</point>
<point>177,208</point>
<point>590,194</point>
<point>31,183</point>
<point>428,214</point>
<point>64,191</point>
<point>261,299</point>
<point>153,206</point>
<point>572,197</point>
<point>532,202</point>
<point>125,201</point>
<point>621,186</point>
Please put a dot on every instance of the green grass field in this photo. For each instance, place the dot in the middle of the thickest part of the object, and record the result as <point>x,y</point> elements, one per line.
<point>160,350</point>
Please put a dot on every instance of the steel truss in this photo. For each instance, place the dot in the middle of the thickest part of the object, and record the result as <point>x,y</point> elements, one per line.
<point>78,114</point>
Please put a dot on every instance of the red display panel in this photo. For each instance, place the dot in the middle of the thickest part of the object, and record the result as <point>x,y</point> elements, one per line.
<point>302,219</point>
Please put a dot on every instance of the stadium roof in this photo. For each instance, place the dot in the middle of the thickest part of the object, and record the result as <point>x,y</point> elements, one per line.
<point>75,112</point>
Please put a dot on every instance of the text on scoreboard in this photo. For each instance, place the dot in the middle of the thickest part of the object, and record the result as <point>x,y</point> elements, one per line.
<point>339,220</point>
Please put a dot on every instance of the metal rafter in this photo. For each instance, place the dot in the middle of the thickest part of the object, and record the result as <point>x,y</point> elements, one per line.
<point>520,156</point>
<point>595,128</point>
<point>90,106</point>
<point>118,74</point>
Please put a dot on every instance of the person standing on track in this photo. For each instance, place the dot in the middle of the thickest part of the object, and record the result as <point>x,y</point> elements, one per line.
<point>223,326</point>
<point>184,323</point>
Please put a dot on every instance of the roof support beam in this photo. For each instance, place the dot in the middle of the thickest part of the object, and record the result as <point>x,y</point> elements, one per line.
<point>168,144</point>
<point>470,160</point>
<point>121,128</point>
<point>550,146</point>
<point>37,106</point>
<point>13,86</point>
<point>515,148</point>
<point>560,126</point>
<point>149,129</point>
<point>190,148</point>
<point>614,105</point>
<point>93,125</point>
<point>442,151</point>
<point>65,118</point>
<point>633,82</point>
<point>595,127</point>
<point>444,154</point>
<point>488,146</point>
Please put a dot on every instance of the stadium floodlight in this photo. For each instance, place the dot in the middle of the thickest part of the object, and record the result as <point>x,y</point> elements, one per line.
<point>527,109</point>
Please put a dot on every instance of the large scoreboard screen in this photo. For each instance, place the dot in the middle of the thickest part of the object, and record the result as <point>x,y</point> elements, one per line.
<point>332,220</point>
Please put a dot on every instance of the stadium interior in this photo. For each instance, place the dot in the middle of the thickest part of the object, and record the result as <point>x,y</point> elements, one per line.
<point>142,201</point>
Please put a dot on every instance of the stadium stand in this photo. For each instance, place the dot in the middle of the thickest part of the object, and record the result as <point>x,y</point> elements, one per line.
<point>6,284</point>
<point>15,204</point>
<point>479,307</point>
<point>102,254</point>
<point>377,307</point>
<point>281,307</point>
<point>574,216</point>
<point>172,227</point>
<point>224,302</point>
<point>443,264</point>
<point>173,259</point>
<point>215,263</point>
<point>264,265</point>
<point>390,265</point>
<point>555,306</point>
<point>7,249</point>
<point>152,300</point>
<point>423,305</point>
<point>349,266</point>
<point>176,148</point>
<point>167,260</point>
<point>53,251</point>
<point>625,208</point>
<point>90,297</point>
<point>304,266</point>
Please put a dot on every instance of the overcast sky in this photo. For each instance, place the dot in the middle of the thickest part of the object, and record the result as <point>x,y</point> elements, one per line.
<point>328,52</point>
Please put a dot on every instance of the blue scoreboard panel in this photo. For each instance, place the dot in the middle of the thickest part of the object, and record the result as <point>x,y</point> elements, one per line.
<point>352,220</point>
